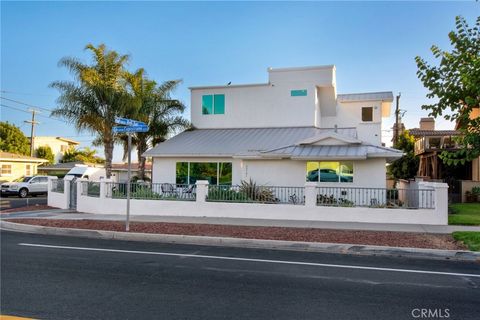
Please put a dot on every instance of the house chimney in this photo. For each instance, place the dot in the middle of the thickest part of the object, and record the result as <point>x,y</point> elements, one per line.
<point>427,124</point>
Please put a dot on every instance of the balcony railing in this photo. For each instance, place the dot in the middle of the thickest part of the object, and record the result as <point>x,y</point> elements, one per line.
<point>425,144</point>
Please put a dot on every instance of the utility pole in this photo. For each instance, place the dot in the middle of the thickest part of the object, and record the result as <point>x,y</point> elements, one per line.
<point>32,132</point>
<point>397,116</point>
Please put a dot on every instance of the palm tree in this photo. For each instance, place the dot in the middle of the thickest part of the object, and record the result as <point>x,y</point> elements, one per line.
<point>154,106</point>
<point>96,97</point>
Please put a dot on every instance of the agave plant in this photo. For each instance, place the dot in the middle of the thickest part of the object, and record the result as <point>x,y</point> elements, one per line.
<point>255,192</point>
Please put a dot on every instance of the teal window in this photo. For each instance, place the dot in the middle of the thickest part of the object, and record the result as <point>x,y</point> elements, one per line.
<point>214,172</point>
<point>213,104</point>
<point>207,104</point>
<point>298,93</point>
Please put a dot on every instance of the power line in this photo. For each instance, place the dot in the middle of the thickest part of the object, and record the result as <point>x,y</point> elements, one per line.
<point>26,104</point>
<point>23,110</point>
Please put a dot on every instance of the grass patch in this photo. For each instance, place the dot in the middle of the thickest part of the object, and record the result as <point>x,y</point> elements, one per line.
<point>470,238</point>
<point>464,214</point>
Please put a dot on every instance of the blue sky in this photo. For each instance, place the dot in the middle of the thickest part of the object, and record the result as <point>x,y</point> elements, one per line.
<point>372,44</point>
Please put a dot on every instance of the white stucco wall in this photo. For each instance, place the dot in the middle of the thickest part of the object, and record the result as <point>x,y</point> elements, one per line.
<point>200,208</point>
<point>271,104</point>
<point>266,105</point>
<point>367,173</point>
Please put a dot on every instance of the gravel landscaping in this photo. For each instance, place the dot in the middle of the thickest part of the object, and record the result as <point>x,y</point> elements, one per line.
<point>380,238</point>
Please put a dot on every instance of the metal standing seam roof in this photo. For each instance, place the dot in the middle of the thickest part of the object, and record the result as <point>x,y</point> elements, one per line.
<point>368,96</point>
<point>358,151</point>
<point>263,142</point>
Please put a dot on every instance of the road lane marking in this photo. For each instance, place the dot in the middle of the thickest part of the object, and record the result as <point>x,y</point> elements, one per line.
<point>6,317</point>
<point>300,263</point>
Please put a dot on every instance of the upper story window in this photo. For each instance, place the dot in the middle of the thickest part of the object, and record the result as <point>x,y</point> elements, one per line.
<point>367,114</point>
<point>213,104</point>
<point>298,93</point>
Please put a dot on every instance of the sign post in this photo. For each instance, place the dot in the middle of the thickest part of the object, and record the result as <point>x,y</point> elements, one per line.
<point>129,126</point>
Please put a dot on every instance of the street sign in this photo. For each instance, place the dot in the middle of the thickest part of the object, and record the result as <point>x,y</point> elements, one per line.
<point>128,122</point>
<point>143,128</point>
<point>128,126</point>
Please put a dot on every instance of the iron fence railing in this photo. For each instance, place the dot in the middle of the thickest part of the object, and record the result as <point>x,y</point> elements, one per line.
<point>256,194</point>
<point>152,191</point>
<point>376,197</point>
<point>248,193</point>
<point>58,185</point>
<point>91,188</point>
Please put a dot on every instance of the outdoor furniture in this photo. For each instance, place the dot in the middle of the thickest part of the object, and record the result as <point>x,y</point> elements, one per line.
<point>168,189</point>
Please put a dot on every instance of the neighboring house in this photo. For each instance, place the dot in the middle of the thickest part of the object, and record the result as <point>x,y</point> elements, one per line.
<point>58,145</point>
<point>120,171</point>
<point>292,129</point>
<point>430,143</point>
<point>14,166</point>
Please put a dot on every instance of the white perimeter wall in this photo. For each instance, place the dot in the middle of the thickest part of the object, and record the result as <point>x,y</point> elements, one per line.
<point>309,211</point>
<point>368,173</point>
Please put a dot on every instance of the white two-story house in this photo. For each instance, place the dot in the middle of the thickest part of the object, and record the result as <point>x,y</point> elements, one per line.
<point>293,129</point>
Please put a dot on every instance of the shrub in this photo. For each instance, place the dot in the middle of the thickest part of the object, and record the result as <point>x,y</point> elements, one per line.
<point>254,192</point>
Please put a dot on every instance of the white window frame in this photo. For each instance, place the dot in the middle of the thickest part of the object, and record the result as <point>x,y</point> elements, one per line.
<point>5,174</point>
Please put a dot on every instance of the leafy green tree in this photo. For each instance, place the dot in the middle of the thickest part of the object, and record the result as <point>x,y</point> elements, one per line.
<point>45,152</point>
<point>407,166</point>
<point>13,140</point>
<point>455,84</point>
<point>96,96</point>
<point>86,155</point>
<point>153,105</point>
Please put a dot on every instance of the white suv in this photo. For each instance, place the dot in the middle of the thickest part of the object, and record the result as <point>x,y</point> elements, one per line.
<point>26,186</point>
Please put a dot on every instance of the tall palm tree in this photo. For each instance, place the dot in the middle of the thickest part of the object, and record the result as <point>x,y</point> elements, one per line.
<point>153,105</point>
<point>96,97</point>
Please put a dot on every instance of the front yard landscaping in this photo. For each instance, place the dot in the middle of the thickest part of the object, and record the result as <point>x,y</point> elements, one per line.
<point>464,214</point>
<point>470,238</point>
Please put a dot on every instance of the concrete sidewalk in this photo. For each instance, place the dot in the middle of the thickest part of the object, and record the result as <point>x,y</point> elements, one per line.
<point>69,215</point>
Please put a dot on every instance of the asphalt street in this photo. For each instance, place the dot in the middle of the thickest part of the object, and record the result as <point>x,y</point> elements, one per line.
<point>16,202</point>
<point>51,277</point>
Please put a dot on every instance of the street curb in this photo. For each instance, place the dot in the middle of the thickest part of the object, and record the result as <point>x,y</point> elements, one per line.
<point>248,243</point>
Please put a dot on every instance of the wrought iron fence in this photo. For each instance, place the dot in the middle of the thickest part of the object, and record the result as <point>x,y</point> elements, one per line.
<point>91,188</point>
<point>152,191</point>
<point>375,197</point>
<point>58,185</point>
<point>256,194</point>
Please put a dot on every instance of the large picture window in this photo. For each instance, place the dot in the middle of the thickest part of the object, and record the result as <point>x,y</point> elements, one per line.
<point>330,171</point>
<point>214,172</point>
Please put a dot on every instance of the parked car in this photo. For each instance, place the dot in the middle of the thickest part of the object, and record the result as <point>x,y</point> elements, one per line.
<point>328,175</point>
<point>22,187</point>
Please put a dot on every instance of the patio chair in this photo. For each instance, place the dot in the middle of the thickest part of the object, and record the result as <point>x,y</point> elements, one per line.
<point>168,189</point>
